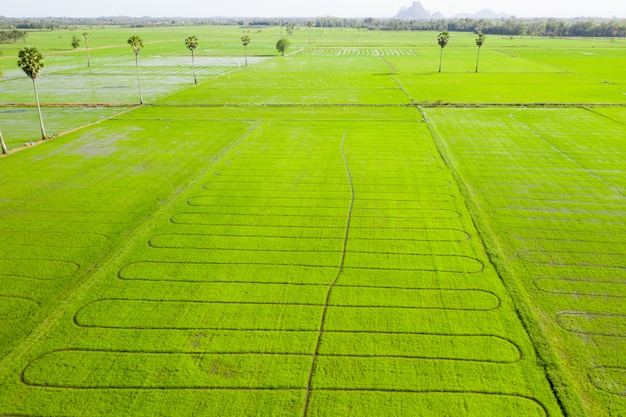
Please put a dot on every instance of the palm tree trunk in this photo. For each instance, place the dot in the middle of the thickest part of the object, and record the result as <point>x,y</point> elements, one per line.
<point>43,131</point>
<point>440,58</point>
<point>3,145</point>
<point>88,60</point>
<point>138,79</point>
<point>193,64</point>
<point>477,57</point>
<point>246,54</point>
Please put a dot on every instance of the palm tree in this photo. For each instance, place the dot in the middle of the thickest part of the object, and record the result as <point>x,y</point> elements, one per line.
<point>137,44</point>
<point>310,25</point>
<point>442,40</point>
<point>32,63</point>
<point>87,46</point>
<point>2,144</point>
<point>246,41</point>
<point>192,43</point>
<point>479,41</point>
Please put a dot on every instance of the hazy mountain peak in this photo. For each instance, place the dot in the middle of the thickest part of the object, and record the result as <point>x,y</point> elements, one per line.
<point>417,12</point>
<point>483,14</point>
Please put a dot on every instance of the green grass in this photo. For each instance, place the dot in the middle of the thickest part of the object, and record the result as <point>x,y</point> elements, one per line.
<point>96,188</point>
<point>238,269</point>
<point>548,185</point>
<point>416,404</point>
<point>20,125</point>
<point>295,239</point>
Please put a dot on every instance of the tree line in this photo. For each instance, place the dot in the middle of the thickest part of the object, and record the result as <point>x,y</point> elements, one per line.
<point>579,27</point>
<point>13,36</point>
<point>605,28</point>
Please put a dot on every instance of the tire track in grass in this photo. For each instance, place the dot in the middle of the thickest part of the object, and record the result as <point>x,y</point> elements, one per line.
<point>311,269</point>
<point>81,286</point>
<point>604,378</point>
<point>453,402</point>
<point>560,201</point>
<point>398,83</point>
<point>194,313</point>
<point>539,240</point>
<point>574,259</point>
<point>39,269</point>
<point>599,113</point>
<point>560,384</point>
<point>567,157</point>
<point>12,306</point>
<point>205,219</point>
<point>51,239</point>
<point>592,324</point>
<point>211,241</point>
<point>444,197</point>
<point>588,221</point>
<point>267,172</point>
<point>193,369</point>
<point>84,194</point>
<point>84,217</point>
<point>599,234</point>
<point>587,287</point>
<point>318,343</point>
<point>331,181</point>
<point>567,232</point>
<point>299,202</point>
<point>212,371</point>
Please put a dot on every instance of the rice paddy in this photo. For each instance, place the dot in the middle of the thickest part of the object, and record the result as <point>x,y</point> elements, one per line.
<point>341,231</point>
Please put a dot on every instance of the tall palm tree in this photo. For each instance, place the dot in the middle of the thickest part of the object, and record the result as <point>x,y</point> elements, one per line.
<point>310,26</point>
<point>32,63</point>
<point>245,40</point>
<point>192,43</point>
<point>442,40</point>
<point>87,46</point>
<point>137,44</point>
<point>2,144</point>
<point>479,42</point>
<point>5,150</point>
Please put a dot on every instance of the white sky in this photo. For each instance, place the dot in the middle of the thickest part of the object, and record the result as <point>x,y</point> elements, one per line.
<point>306,8</point>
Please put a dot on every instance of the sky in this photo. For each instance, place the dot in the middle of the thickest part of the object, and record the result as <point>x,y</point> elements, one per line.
<point>306,8</point>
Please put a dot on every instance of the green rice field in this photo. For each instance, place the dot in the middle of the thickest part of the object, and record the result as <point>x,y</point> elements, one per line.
<point>343,231</point>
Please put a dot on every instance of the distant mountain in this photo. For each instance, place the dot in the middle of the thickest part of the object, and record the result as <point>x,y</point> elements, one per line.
<point>483,14</point>
<point>414,12</point>
<point>417,12</point>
